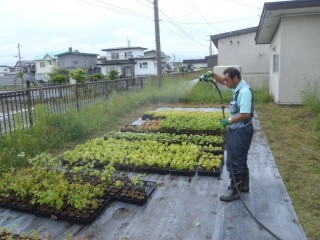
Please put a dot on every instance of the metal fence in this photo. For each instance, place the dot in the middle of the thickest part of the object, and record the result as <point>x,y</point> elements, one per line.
<point>19,109</point>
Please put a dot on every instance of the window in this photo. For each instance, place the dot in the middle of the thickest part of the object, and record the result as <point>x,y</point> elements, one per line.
<point>5,70</point>
<point>42,64</point>
<point>85,63</point>
<point>128,55</point>
<point>50,62</point>
<point>275,63</point>
<point>144,65</point>
<point>114,55</point>
<point>75,62</point>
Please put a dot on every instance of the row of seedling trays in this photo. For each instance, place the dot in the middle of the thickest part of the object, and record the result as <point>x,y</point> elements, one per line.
<point>128,192</point>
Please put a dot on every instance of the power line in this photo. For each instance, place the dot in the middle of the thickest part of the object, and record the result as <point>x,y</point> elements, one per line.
<point>227,21</point>
<point>117,9</point>
<point>180,29</point>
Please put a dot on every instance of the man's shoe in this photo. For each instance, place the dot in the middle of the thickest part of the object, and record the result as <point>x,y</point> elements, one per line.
<point>234,193</point>
<point>245,183</point>
<point>231,197</point>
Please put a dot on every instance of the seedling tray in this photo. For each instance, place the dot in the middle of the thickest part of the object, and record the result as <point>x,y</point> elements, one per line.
<point>86,221</point>
<point>214,173</point>
<point>47,214</point>
<point>4,203</point>
<point>149,187</point>
<point>183,173</point>
<point>161,171</point>
<point>18,207</point>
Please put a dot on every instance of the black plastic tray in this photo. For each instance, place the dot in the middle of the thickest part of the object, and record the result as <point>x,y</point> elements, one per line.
<point>41,213</point>
<point>16,207</point>
<point>149,187</point>
<point>215,173</point>
<point>161,171</point>
<point>183,173</point>
<point>91,218</point>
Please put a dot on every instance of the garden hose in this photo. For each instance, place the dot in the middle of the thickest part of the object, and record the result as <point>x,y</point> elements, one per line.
<point>232,174</point>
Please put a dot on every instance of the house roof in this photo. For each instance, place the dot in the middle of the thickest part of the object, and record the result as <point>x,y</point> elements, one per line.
<point>52,55</point>
<point>273,11</point>
<point>215,38</point>
<point>123,48</point>
<point>193,61</point>
<point>76,52</point>
<point>25,63</point>
<point>153,53</point>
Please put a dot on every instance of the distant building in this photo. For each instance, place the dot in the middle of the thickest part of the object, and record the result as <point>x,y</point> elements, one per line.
<point>292,28</point>
<point>28,68</point>
<point>6,70</point>
<point>195,63</point>
<point>212,60</point>
<point>239,48</point>
<point>75,59</point>
<point>131,61</point>
<point>44,65</point>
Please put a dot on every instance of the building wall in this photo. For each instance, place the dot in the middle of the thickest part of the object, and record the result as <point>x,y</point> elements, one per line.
<point>122,54</point>
<point>150,70</point>
<point>253,59</point>
<point>4,69</point>
<point>84,61</point>
<point>275,49</point>
<point>42,71</point>
<point>299,65</point>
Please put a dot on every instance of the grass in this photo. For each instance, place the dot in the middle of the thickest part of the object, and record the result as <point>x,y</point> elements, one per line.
<point>292,136</point>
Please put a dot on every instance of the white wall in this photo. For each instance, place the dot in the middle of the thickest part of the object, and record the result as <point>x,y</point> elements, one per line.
<point>275,48</point>
<point>49,62</point>
<point>151,70</point>
<point>135,53</point>
<point>242,50</point>
<point>4,69</point>
<point>299,56</point>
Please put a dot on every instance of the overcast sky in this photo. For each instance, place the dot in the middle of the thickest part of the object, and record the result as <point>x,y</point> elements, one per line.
<point>91,25</point>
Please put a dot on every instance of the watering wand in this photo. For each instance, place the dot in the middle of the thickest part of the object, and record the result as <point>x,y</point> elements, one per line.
<point>207,77</point>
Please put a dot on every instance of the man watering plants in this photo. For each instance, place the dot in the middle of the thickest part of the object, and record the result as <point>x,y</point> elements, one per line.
<point>240,130</point>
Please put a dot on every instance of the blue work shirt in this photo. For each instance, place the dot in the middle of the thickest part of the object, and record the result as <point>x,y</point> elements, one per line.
<point>243,102</point>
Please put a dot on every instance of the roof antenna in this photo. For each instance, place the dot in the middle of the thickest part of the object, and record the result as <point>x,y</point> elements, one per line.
<point>128,41</point>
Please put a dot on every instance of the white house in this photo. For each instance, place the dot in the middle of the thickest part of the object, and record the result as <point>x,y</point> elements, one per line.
<point>4,69</point>
<point>44,65</point>
<point>292,28</point>
<point>196,63</point>
<point>130,61</point>
<point>239,48</point>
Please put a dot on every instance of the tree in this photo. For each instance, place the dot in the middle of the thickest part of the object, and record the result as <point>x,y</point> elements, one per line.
<point>59,79</point>
<point>97,77</point>
<point>59,75</point>
<point>79,75</point>
<point>113,74</point>
<point>19,75</point>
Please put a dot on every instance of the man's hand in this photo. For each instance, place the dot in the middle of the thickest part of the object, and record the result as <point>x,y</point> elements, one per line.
<point>207,76</point>
<point>224,122</point>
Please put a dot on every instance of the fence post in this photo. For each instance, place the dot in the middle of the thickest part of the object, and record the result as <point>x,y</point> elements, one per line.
<point>29,104</point>
<point>141,83</point>
<point>127,85</point>
<point>77,97</point>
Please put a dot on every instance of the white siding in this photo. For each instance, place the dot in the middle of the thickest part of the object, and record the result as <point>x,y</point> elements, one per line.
<point>151,70</point>
<point>45,66</point>
<point>299,56</point>
<point>253,59</point>
<point>122,53</point>
<point>275,48</point>
<point>4,69</point>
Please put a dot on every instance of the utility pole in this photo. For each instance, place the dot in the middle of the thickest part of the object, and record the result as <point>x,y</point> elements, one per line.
<point>21,70</point>
<point>158,46</point>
